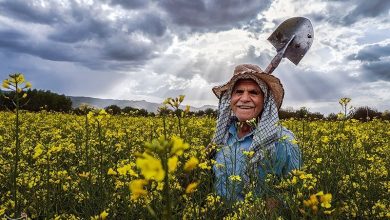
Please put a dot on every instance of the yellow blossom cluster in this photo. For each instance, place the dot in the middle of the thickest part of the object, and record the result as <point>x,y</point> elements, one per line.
<point>97,166</point>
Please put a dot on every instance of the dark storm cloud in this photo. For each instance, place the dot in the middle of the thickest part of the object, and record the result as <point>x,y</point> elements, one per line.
<point>132,4</point>
<point>150,24</point>
<point>84,34</point>
<point>115,50</point>
<point>374,71</point>
<point>372,53</point>
<point>81,30</point>
<point>87,24</point>
<point>18,42</point>
<point>202,15</point>
<point>11,38</point>
<point>375,64</point>
<point>60,77</point>
<point>349,12</point>
<point>367,8</point>
<point>29,12</point>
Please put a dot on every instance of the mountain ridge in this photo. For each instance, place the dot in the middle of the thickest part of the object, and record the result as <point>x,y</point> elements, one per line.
<point>140,104</point>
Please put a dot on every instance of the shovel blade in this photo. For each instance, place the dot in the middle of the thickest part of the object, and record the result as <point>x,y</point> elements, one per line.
<point>302,29</point>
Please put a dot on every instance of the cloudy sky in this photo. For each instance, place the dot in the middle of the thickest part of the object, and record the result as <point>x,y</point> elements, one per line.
<point>154,49</point>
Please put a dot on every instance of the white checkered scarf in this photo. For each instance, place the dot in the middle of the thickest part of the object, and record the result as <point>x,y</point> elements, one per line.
<point>267,131</point>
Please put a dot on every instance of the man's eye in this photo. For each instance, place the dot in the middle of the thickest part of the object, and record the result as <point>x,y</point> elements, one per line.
<point>254,92</point>
<point>239,92</point>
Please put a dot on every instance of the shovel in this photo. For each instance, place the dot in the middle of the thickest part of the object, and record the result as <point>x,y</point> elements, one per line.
<point>292,39</point>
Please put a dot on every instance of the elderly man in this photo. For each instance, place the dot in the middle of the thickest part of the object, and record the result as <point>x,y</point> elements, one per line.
<point>248,133</point>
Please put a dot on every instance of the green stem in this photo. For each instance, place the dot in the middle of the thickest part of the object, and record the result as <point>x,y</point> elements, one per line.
<point>17,145</point>
<point>167,196</point>
<point>165,128</point>
<point>100,156</point>
<point>87,144</point>
<point>179,126</point>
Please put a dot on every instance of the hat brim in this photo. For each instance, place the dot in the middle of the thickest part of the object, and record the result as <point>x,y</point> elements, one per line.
<point>273,83</point>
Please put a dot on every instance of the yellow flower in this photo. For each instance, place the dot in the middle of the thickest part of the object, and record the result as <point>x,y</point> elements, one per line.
<point>5,84</point>
<point>111,172</point>
<point>191,187</point>
<point>312,201</point>
<point>248,153</point>
<point>191,164</point>
<point>172,164</point>
<point>178,146</point>
<point>319,160</point>
<point>187,109</point>
<point>325,139</point>
<point>314,208</point>
<point>137,188</point>
<point>2,211</point>
<point>151,168</point>
<point>204,166</point>
<point>84,174</point>
<point>181,98</point>
<point>340,116</point>
<point>328,212</point>
<point>235,178</point>
<point>325,200</point>
<point>19,78</point>
<point>126,169</point>
<point>103,215</point>
<point>133,173</point>
<point>28,85</point>
<point>294,180</point>
<point>38,151</point>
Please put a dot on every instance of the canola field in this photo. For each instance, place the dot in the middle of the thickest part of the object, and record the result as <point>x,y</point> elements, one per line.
<point>98,166</point>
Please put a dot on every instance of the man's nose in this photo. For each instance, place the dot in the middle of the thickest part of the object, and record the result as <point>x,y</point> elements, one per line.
<point>245,97</point>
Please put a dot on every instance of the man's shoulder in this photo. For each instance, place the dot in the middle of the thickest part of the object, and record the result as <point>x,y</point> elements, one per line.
<point>286,134</point>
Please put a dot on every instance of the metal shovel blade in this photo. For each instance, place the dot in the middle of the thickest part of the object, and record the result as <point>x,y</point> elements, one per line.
<point>292,39</point>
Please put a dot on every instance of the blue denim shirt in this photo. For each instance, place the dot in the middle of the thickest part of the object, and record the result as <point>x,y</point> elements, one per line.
<point>231,162</point>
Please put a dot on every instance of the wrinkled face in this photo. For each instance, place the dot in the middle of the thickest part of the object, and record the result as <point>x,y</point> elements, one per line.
<point>247,99</point>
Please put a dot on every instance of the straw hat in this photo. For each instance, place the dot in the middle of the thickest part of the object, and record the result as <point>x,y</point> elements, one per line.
<point>248,70</point>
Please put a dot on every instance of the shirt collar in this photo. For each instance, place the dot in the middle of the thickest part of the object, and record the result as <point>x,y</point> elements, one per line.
<point>233,131</point>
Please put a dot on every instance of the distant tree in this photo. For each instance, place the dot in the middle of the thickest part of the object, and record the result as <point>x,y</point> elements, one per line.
<point>303,112</point>
<point>332,117</point>
<point>386,115</point>
<point>129,110</point>
<point>135,111</point>
<point>286,113</point>
<point>40,99</point>
<point>164,110</point>
<point>83,109</point>
<point>142,112</point>
<point>366,113</point>
<point>199,113</point>
<point>113,109</point>
<point>210,112</point>
<point>315,116</point>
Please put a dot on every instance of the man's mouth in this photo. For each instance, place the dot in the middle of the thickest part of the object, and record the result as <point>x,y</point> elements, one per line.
<point>245,107</point>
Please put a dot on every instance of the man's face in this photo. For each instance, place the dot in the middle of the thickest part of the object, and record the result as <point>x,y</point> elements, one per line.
<point>247,100</point>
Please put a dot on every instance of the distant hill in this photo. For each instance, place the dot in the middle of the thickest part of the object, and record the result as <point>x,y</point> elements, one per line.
<point>142,104</point>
